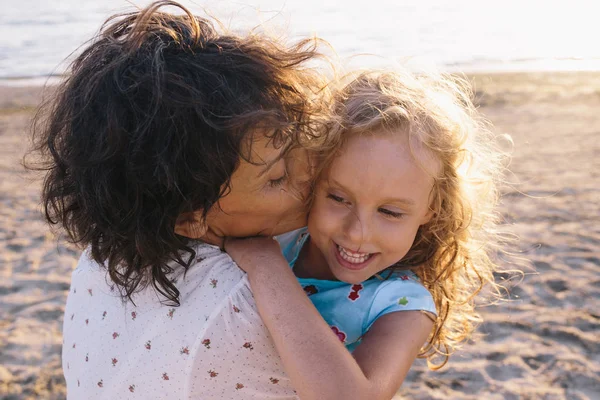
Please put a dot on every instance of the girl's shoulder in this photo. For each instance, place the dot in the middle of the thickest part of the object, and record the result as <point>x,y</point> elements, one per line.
<point>351,309</point>
<point>291,243</point>
<point>401,291</point>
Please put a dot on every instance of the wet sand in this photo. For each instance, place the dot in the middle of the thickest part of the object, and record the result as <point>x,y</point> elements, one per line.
<point>542,343</point>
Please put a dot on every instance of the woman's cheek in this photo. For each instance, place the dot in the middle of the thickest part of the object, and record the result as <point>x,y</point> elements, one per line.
<point>285,199</point>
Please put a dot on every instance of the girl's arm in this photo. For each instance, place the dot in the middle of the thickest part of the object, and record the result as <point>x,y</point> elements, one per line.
<point>319,365</point>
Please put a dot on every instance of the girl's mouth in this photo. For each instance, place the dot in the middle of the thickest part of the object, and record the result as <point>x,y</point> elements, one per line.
<point>351,259</point>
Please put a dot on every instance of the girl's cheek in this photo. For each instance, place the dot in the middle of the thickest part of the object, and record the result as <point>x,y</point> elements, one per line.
<point>333,217</point>
<point>322,216</point>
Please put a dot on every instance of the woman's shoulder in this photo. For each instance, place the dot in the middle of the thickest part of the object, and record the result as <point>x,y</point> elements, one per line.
<point>95,300</point>
<point>206,260</point>
<point>159,343</point>
<point>210,273</point>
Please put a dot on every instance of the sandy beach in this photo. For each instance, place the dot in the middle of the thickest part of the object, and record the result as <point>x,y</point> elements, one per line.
<point>542,342</point>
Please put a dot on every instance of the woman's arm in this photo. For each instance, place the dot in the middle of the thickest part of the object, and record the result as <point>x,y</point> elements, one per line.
<point>319,365</point>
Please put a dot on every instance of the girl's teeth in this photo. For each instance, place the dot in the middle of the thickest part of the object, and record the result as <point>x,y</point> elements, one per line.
<point>350,256</point>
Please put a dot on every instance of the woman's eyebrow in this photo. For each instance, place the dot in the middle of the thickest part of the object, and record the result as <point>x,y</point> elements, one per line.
<point>267,166</point>
<point>283,153</point>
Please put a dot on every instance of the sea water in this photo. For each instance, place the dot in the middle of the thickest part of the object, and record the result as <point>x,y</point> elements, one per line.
<point>38,38</point>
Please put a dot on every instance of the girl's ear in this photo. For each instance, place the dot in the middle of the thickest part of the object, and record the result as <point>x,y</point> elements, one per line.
<point>434,203</point>
<point>191,225</point>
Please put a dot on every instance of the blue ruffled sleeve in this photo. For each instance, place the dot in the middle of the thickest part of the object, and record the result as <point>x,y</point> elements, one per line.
<point>401,293</point>
<point>291,243</point>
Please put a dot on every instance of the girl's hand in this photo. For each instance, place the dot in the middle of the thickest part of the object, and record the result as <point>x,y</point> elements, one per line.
<point>255,252</point>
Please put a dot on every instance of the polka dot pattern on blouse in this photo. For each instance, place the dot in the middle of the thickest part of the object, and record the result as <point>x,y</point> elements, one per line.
<point>214,346</point>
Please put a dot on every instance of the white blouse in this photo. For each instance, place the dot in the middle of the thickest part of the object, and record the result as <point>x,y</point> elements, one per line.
<point>214,346</point>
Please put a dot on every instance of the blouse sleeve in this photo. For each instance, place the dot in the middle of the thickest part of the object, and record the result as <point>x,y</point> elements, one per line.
<point>404,293</point>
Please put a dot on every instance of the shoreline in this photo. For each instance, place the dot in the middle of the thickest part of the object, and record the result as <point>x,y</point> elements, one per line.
<point>481,67</point>
<point>25,95</point>
<point>540,343</point>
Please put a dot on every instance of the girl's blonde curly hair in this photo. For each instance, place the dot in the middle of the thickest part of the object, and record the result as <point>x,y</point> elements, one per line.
<point>452,253</point>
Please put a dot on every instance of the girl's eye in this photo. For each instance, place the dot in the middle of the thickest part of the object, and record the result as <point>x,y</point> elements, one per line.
<point>274,183</point>
<point>335,198</point>
<point>392,214</point>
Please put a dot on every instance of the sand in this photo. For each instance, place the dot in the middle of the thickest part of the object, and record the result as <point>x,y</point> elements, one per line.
<point>542,343</point>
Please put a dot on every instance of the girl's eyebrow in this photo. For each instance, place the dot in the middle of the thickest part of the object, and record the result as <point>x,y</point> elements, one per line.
<point>336,183</point>
<point>396,200</point>
<point>401,201</point>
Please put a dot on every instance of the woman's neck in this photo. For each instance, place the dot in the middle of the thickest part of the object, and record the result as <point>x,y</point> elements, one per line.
<point>312,264</point>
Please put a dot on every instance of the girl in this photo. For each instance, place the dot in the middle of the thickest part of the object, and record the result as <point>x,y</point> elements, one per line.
<point>168,130</point>
<point>399,238</point>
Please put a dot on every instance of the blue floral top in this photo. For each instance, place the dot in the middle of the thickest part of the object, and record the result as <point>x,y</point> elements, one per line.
<point>350,310</point>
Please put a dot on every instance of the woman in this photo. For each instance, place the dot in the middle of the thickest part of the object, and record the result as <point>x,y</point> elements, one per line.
<point>167,130</point>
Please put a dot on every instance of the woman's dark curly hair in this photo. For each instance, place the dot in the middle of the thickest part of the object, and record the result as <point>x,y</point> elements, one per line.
<point>151,123</point>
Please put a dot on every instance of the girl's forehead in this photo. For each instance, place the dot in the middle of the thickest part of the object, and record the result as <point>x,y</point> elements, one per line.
<point>379,167</point>
<point>386,148</point>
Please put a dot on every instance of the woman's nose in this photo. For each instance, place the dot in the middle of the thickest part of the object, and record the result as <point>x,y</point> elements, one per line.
<point>299,172</point>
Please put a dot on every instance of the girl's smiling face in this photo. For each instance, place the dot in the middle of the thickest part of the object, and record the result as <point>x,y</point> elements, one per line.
<point>368,207</point>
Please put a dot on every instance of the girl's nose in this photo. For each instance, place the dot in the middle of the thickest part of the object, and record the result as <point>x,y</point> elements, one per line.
<point>357,230</point>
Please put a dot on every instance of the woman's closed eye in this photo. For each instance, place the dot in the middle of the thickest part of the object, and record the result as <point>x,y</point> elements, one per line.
<point>275,183</point>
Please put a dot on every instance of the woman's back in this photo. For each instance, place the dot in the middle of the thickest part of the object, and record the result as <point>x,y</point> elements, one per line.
<point>213,346</point>
<point>167,130</point>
